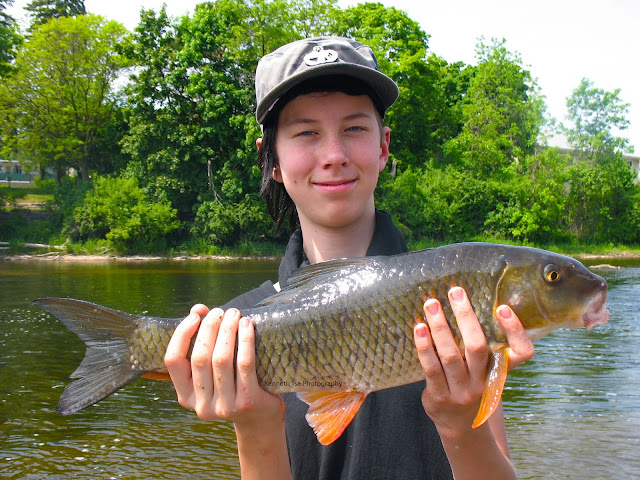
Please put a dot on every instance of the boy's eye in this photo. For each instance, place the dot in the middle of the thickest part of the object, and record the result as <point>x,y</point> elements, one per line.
<point>306,133</point>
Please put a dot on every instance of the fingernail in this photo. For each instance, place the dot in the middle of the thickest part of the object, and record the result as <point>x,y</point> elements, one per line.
<point>432,306</point>
<point>245,322</point>
<point>191,318</point>
<point>421,330</point>
<point>504,311</point>
<point>456,294</point>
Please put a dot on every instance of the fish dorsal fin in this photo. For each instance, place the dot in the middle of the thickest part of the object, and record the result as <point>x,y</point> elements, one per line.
<point>316,274</point>
<point>331,412</point>
<point>498,366</point>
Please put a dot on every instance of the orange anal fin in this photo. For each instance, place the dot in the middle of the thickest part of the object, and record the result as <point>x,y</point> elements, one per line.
<point>331,412</point>
<point>498,366</point>
<point>157,376</point>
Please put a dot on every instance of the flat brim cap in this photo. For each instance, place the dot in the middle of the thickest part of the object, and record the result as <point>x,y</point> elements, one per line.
<point>296,62</point>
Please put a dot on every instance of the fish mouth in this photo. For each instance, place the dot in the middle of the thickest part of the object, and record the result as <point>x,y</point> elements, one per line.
<point>596,312</point>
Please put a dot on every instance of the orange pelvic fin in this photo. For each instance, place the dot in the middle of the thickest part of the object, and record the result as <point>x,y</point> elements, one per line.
<point>331,412</point>
<point>498,366</point>
<point>157,376</point>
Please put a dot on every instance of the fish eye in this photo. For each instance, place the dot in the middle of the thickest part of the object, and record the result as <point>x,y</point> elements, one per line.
<point>551,273</point>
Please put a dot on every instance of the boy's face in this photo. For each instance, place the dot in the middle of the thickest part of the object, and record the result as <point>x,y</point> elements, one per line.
<point>331,150</point>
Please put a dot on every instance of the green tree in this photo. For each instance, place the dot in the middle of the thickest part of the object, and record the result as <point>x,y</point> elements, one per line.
<point>190,102</point>
<point>424,115</point>
<point>6,19</point>
<point>502,113</point>
<point>9,39</point>
<point>312,18</point>
<point>268,26</point>
<point>62,94</point>
<point>595,116</point>
<point>44,10</point>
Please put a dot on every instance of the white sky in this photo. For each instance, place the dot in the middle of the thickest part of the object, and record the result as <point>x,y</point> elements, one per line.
<point>560,41</point>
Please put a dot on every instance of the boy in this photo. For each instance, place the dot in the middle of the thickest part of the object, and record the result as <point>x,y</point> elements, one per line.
<point>321,104</point>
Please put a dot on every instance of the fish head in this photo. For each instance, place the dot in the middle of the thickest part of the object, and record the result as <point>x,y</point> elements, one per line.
<point>549,291</point>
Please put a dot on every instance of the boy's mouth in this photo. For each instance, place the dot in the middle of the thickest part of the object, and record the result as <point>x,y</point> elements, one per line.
<point>334,185</point>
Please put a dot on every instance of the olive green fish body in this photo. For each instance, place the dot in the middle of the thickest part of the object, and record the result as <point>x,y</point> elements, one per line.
<point>344,328</point>
<point>351,322</point>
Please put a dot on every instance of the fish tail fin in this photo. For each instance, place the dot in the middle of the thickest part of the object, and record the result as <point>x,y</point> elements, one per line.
<point>330,413</point>
<point>496,378</point>
<point>106,366</point>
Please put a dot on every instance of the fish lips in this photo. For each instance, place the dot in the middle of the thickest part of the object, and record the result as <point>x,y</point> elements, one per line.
<point>597,312</point>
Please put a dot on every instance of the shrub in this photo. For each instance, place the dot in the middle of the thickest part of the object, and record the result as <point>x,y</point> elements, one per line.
<point>118,210</point>
<point>226,224</point>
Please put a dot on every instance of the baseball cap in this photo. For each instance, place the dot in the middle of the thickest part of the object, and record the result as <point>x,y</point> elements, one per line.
<point>293,63</point>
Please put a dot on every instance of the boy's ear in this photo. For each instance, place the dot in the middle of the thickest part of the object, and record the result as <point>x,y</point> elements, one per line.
<point>276,174</point>
<point>384,149</point>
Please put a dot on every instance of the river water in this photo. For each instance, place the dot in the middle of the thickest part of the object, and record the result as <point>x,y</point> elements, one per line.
<point>573,412</point>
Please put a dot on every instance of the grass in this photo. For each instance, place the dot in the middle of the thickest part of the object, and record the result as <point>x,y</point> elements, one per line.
<point>41,198</point>
<point>17,197</point>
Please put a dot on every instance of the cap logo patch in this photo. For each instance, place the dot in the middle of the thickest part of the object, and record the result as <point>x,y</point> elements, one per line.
<point>319,56</point>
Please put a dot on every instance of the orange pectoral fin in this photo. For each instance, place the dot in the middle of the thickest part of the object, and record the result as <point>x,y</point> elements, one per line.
<point>496,378</point>
<point>331,412</point>
<point>157,376</point>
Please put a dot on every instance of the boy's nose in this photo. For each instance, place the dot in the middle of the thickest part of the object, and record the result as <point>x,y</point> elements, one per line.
<point>333,153</point>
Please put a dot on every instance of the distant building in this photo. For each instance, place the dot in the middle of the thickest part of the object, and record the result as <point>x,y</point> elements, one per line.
<point>13,172</point>
<point>635,165</point>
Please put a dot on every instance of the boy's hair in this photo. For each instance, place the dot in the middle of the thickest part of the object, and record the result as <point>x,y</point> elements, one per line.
<point>279,204</point>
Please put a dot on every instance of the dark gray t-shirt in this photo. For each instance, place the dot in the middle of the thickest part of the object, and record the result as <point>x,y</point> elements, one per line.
<point>391,437</point>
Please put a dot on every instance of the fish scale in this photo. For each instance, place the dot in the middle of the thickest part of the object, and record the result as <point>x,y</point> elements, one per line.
<point>344,328</point>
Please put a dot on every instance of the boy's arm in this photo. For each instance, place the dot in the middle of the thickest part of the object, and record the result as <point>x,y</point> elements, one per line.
<point>263,452</point>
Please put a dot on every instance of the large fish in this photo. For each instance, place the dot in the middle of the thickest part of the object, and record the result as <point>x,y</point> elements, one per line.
<point>344,328</point>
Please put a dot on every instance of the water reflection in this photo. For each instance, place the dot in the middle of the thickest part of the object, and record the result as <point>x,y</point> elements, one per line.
<point>573,412</point>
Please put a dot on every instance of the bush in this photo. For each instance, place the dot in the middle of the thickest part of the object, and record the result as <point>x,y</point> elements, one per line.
<point>226,224</point>
<point>118,210</point>
<point>602,201</point>
<point>535,211</point>
<point>440,205</point>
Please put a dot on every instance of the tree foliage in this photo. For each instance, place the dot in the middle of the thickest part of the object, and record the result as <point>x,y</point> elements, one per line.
<point>118,210</point>
<point>190,100</point>
<point>44,10</point>
<point>468,157</point>
<point>62,96</point>
<point>9,39</point>
<point>595,117</point>
<point>502,112</point>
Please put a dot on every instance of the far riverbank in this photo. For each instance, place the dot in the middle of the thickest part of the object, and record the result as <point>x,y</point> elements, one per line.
<point>70,257</point>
